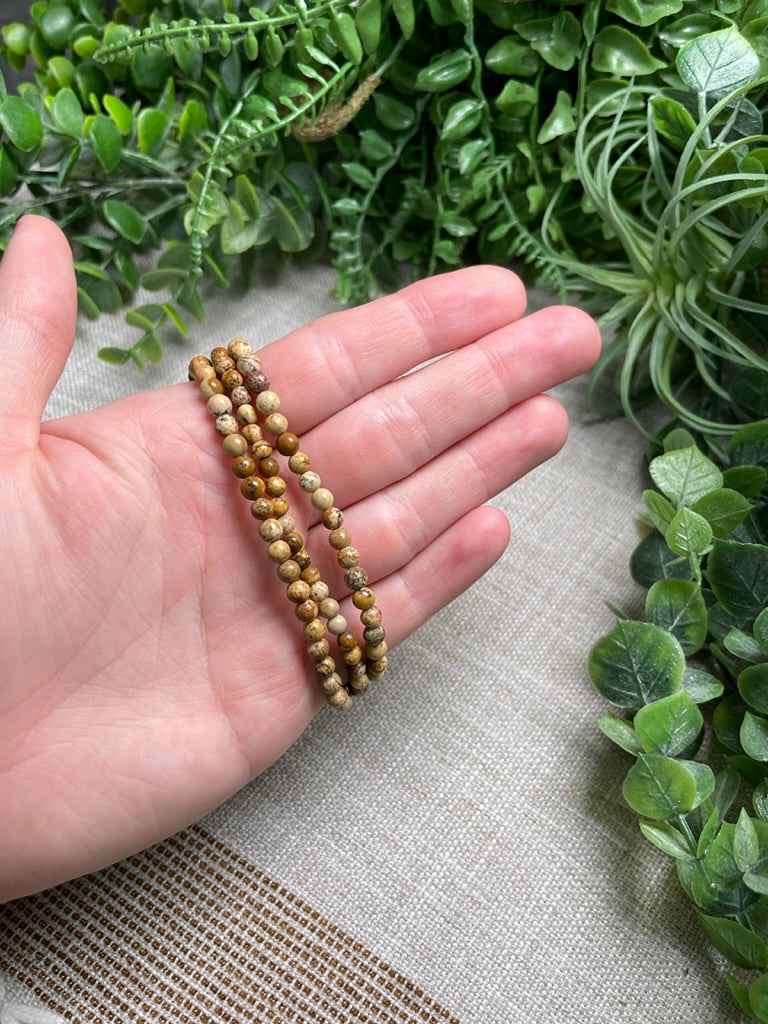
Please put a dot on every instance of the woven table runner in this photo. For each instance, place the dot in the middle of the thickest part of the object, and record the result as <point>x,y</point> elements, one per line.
<point>189,931</point>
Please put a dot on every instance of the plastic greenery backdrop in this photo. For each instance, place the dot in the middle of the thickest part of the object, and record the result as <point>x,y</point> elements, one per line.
<point>616,148</point>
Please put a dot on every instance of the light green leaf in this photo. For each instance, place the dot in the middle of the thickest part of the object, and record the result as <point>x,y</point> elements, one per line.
<point>701,686</point>
<point>106,141</point>
<point>119,112</point>
<point>742,947</point>
<point>125,219</point>
<point>753,686</point>
<point>557,40</point>
<point>758,998</point>
<point>718,62</point>
<point>659,787</point>
<point>617,51</point>
<point>671,725</point>
<point>688,533</point>
<point>679,607</point>
<point>685,475</point>
<point>760,629</point>
<point>561,120</point>
<point>151,127</point>
<point>636,663</point>
<point>21,123</point>
<point>738,576</point>
<point>68,114</point>
<point>754,736</point>
<point>666,838</point>
<point>746,847</point>
<point>644,12</point>
<point>620,731</point>
<point>743,645</point>
<point>723,509</point>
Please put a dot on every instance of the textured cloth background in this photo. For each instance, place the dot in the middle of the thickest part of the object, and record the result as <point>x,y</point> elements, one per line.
<point>458,843</point>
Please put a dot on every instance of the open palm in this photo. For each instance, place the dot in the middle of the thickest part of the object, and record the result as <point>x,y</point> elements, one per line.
<point>150,663</point>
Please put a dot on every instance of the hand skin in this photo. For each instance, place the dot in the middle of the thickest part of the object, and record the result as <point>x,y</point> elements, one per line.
<point>150,664</point>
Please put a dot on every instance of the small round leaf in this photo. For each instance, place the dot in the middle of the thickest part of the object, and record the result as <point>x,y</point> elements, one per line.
<point>679,607</point>
<point>659,787</point>
<point>671,725</point>
<point>636,663</point>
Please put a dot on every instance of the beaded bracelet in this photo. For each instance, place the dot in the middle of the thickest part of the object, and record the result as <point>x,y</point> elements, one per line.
<point>239,395</point>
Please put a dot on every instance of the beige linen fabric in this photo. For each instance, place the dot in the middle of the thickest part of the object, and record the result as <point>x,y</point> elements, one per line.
<point>454,849</point>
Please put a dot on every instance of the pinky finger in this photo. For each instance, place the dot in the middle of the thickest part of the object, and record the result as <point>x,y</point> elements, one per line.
<point>442,571</point>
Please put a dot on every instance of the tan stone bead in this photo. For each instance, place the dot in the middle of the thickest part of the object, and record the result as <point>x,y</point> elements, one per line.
<point>205,373</point>
<point>356,579</point>
<point>298,592</point>
<point>314,630</point>
<point>287,443</point>
<point>322,499</point>
<point>267,402</point>
<point>257,382</point>
<point>377,669</point>
<point>325,666</point>
<point>219,353</point>
<point>360,685</point>
<point>262,449</point>
<point>279,504</point>
<point>371,616</point>
<point>248,364</point>
<point>246,414</point>
<point>304,558</point>
<point>270,529</point>
<point>311,574</point>
<point>329,607</point>
<point>333,684</point>
<point>337,625</point>
<point>211,387</point>
<point>376,652</point>
<point>353,656</point>
<point>289,571</point>
<point>363,598</point>
<point>339,538</point>
<point>240,396</point>
<point>306,611</point>
<point>348,557</point>
<point>374,635</point>
<point>339,699</point>
<point>223,365</point>
<point>289,526</point>
<point>226,423</point>
<point>357,673</point>
<point>239,348</point>
<point>333,518</point>
<point>243,466</point>
<point>276,423</point>
<point>318,648</point>
<point>235,444</point>
<point>309,481</point>
<point>231,378</point>
<point>262,509</point>
<point>219,404</point>
<point>276,487</point>
<point>320,591</point>
<point>299,463</point>
<point>295,542</point>
<point>268,466</point>
<point>278,551</point>
<point>347,640</point>
<point>252,488</point>
<point>196,364</point>
<point>251,431</point>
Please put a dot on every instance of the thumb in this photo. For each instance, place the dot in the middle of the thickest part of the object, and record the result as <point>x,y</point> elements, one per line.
<point>38,307</point>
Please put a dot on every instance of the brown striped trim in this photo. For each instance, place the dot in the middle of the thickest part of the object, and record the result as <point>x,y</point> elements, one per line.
<point>189,932</point>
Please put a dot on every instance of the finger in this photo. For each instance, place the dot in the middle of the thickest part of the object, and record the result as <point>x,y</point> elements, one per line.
<point>392,526</point>
<point>444,570</point>
<point>340,357</point>
<point>38,306</point>
<point>388,435</point>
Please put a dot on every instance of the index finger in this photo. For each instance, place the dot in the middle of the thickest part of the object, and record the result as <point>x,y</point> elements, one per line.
<point>329,363</point>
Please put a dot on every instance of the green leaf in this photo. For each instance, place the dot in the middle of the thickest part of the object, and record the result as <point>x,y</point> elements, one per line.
<point>760,630</point>
<point>369,22</point>
<point>119,112</point>
<point>747,480</point>
<point>754,736</point>
<point>661,511</point>
<point>678,606</point>
<point>671,725</point>
<point>688,533</point>
<point>405,14</point>
<point>667,839</point>
<point>636,663</point>
<point>685,475</point>
<point>617,51</point>
<point>746,846</point>
<point>723,509</point>
<point>743,645</point>
<point>738,576</point>
<point>717,62</point>
<point>68,114</point>
<point>151,127</point>
<point>56,23</point>
<point>620,732</point>
<point>116,356</point>
<point>740,945</point>
<point>21,123</point>
<point>461,119</point>
<point>701,686</point>
<point>508,56</point>
<point>126,220</point>
<point>749,445</point>
<point>652,560</point>
<point>106,141</point>
<point>644,12</point>
<point>659,787</point>
<point>445,71</point>
<point>752,683</point>
<point>672,120</point>
<point>557,40</point>
<point>560,121</point>
<point>758,998</point>
<point>392,113</point>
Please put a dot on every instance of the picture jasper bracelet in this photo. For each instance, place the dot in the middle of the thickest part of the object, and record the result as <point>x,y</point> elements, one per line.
<point>253,432</point>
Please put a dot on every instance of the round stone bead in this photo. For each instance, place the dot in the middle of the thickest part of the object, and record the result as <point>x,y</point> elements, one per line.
<point>371,616</point>
<point>276,423</point>
<point>231,379</point>
<point>333,685</point>
<point>298,592</point>
<point>268,466</point>
<point>248,364</point>
<point>226,423</point>
<point>377,669</point>
<point>356,579</point>
<point>311,574</point>
<point>235,444</point>
<point>287,443</point>
<point>318,648</point>
<point>357,676</point>
<point>314,630</point>
<point>374,635</point>
<point>339,538</point>
<point>262,449</point>
<point>270,530</point>
<point>289,525</point>
<point>205,373</point>
<point>304,558</point>
<point>363,598</point>
<point>320,591</point>
<point>348,557</point>
<point>329,607</point>
<point>325,666</point>
<point>246,414</point>
<point>309,481</point>
<point>267,402</point>
<point>376,652</point>
<point>276,487</point>
<point>279,504</point>
<point>333,518</point>
<point>360,684</point>
<point>197,364</point>
<point>243,466</point>
<point>240,396</point>
<point>262,509</point>
<point>257,382</point>
<point>322,499</point>
<point>238,348</point>
<point>219,404</point>
<point>211,387</point>
<point>289,571</point>
<point>347,640</point>
<point>337,625</point>
<point>353,656</point>
<point>299,463</point>
<point>251,431</point>
<point>278,551</point>
<point>219,353</point>
<point>252,488</point>
<point>306,611</point>
<point>295,542</point>
<point>339,698</point>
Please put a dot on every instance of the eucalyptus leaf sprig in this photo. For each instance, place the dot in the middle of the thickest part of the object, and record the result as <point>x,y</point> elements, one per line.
<point>690,687</point>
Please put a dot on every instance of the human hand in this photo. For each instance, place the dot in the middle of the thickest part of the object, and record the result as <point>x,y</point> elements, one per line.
<point>150,664</point>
